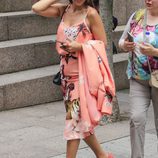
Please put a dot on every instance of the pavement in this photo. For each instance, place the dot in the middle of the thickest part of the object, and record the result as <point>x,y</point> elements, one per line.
<point>37,132</point>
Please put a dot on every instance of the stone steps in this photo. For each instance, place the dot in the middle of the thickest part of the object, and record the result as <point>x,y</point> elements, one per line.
<point>28,57</point>
<point>122,9</point>
<point>18,5</point>
<point>36,84</point>
<point>25,24</point>
<point>23,54</point>
<point>120,66</point>
<point>15,5</point>
<point>29,87</point>
<point>32,87</point>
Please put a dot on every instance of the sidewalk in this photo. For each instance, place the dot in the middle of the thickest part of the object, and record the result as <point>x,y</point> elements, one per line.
<point>37,132</point>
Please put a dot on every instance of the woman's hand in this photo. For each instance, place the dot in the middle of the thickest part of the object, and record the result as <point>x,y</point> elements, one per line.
<point>72,46</point>
<point>148,49</point>
<point>128,46</point>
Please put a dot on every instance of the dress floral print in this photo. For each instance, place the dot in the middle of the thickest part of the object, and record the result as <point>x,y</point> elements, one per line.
<point>86,101</point>
<point>69,75</point>
<point>72,109</point>
<point>68,58</point>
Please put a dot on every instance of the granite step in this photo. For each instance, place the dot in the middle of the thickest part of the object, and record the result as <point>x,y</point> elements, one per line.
<point>120,7</point>
<point>17,5</point>
<point>23,54</point>
<point>32,87</point>
<point>25,24</point>
<point>34,52</point>
<point>28,88</point>
<point>123,9</point>
<point>120,65</point>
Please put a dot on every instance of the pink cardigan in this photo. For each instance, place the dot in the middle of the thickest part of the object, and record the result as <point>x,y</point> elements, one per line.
<point>96,84</point>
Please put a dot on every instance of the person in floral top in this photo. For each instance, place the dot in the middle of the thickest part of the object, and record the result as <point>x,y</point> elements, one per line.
<point>143,21</point>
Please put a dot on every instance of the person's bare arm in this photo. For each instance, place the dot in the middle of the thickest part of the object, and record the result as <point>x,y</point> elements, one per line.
<point>49,8</point>
<point>96,26</point>
<point>124,43</point>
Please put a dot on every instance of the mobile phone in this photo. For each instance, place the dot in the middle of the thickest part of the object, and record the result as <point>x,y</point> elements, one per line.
<point>59,42</point>
<point>63,46</point>
<point>130,37</point>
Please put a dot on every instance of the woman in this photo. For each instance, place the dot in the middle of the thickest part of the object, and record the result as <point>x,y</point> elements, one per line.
<point>81,41</point>
<point>143,25</point>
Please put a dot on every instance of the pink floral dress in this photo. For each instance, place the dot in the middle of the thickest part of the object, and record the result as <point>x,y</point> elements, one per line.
<point>70,78</point>
<point>87,83</point>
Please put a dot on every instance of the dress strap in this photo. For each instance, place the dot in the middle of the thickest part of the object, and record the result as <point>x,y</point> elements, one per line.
<point>67,7</point>
<point>86,14</point>
<point>84,20</point>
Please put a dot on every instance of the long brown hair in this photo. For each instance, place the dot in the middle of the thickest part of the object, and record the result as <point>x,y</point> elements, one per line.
<point>92,3</point>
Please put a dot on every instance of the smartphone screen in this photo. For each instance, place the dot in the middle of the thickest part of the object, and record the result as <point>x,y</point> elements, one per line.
<point>130,37</point>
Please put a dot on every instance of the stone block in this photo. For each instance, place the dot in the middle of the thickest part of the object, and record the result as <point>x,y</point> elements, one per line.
<point>124,8</point>
<point>2,6</point>
<point>23,57</point>
<point>119,11</point>
<point>24,26</point>
<point>45,54</point>
<point>3,29</point>
<point>15,5</point>
<point>120,76</point>
<point>16,58</point>
<point>133,5</point>
<point>31,92</point>
<point>18,5</point>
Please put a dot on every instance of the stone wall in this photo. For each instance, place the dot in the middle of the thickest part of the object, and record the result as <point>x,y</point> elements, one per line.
<point>124,8</point>
<point>27,53</point>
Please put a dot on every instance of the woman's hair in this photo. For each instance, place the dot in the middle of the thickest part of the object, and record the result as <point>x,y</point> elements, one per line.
<point>92,3</point>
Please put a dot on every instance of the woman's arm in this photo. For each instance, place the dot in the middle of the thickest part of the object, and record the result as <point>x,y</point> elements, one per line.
<point>96,26</point>
<point>123,42</point>
<point>49,8</point>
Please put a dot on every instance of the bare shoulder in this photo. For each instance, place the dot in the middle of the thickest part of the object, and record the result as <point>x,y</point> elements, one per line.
<point>96,25</point>
<point>92,14</point>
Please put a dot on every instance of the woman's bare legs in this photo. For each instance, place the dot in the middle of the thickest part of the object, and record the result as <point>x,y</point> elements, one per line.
<point>72,147</point>
<point>93,143</point>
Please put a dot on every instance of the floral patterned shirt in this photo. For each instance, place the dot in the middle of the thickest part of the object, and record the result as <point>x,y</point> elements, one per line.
<point>137,63</point>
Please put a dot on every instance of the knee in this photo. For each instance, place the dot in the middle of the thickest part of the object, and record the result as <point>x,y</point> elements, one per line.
<point>137,119</point>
